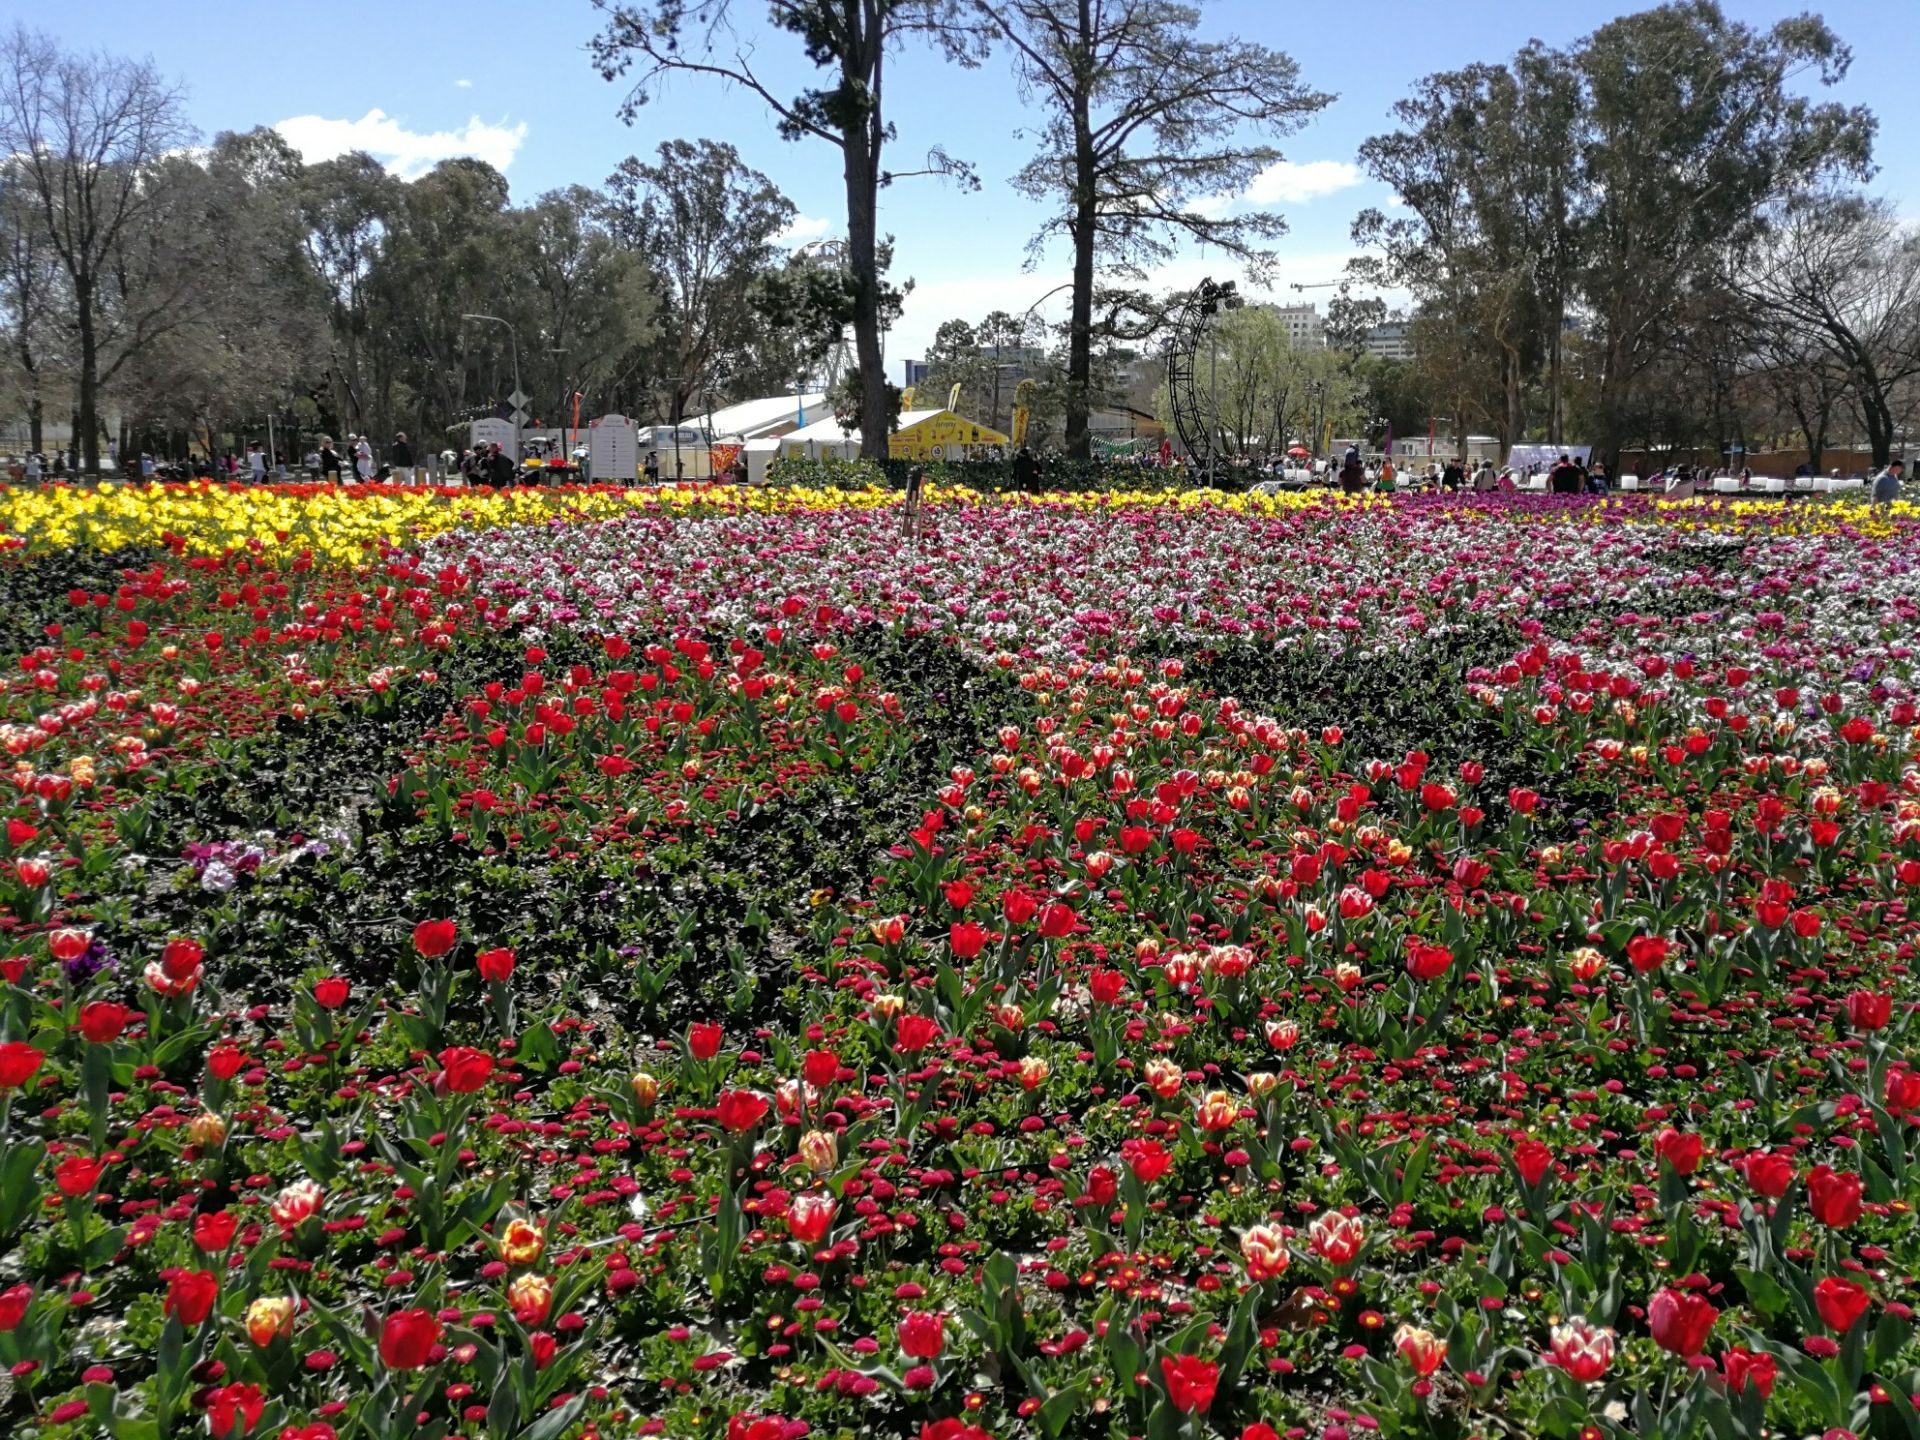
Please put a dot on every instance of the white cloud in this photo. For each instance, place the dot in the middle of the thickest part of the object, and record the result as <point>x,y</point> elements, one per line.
<point>1285,182</point>
<point>801,229</point>
<point>408,153</point>
<point>463,84</point>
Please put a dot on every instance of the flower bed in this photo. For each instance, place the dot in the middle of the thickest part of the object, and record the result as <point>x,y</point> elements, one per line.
<point>1182,966</point>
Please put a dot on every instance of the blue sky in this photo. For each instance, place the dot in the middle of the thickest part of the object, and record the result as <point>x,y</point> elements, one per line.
<point>416,80</point>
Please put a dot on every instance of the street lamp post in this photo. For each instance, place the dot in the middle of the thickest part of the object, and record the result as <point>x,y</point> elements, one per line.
<point>514,337</point>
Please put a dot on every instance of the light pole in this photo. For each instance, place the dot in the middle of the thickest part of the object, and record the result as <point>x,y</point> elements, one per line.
<point>514,337</point>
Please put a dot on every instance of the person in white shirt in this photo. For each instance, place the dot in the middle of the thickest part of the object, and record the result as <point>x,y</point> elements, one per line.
<point>256,465</point>
<point>362,457</point>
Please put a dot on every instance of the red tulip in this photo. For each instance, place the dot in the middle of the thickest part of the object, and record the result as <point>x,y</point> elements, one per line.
<point>235,1405</point>
<point>1148,1159</point>
<point>1841,1303</point>
<point>213,1230</point>
<point>1680,1321</point>
<point>434,938</point>
<point>1018,906</point>
<point>947,1429</point>
<point>913,1032</point>
<point>1768,1172</point>
<point>922,1334</point>
<point>543,1347</point>
<point>1106,986</point>
<point>102,1021</point>
<point>1533,1160</point>
<point>739,1111</point>
<point>463,1070</point>
<point>181,958</point>
<point>1582,1349</point>
<point>1869,1010</point>
<point>495,966</point>
<point>1423,1351</point>
<point>224,1061</point>
<point>407,1338</point>
<point>331,993</point>
<point>1744,1367</point>
<point>19,1062</point>
<point>190,1296</point>
<point>1833,1196</point>
<point>820,1068</point>
<point>810,1217</point>
<point>703,1040</point>
<point>1648,953</point>
<point>967,937</point>
<point>1427,962</point>
<point>1190,1382</point>
<point>68,943</point>
<point>78,1174</point>
<point>1056,920</point>
<point>1681,1151</point>
<point>1102,1186</point>
<point>14,1301</point>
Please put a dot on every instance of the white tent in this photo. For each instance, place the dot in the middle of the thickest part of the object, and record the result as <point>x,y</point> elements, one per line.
<point>761,419</point>
<point>760,454</point>
<point>823,439</point>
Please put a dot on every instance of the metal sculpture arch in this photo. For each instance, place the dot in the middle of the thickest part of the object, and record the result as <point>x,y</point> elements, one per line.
<point>1183,389</point>
<point>1193,418</point>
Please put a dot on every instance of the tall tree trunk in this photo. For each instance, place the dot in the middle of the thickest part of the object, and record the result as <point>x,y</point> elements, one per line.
<point>1515,407</point>
<point>1085,217</point>
<point>1553,372</point>
<point>87,421</point>
<point>1879,421</point>
<point>862,201</point>
<point>861,147</point>
<point>36,423</point>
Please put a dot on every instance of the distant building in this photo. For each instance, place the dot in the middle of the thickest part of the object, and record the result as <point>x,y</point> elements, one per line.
<point>1391,341</point>
<point>916,373</point>
<point>1305,329</point>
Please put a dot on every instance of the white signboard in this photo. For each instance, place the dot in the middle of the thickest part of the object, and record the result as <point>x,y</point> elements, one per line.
<point>494,432</point>
<point>613,450</point>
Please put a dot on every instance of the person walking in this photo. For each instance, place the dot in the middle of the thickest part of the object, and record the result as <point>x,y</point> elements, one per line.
<point>916,482</point>
<point>1565,478</point>
<point>362,458</point>
<point>1353,474</point>
<point>256,464</point>
<point>1026,472</point>
<point>500,467</point>
<point>329,460</point>
<point>1886,485</point>
<point>400,459</point>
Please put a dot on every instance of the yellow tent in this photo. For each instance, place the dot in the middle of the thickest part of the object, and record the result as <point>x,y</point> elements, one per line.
<point>939,435</point>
